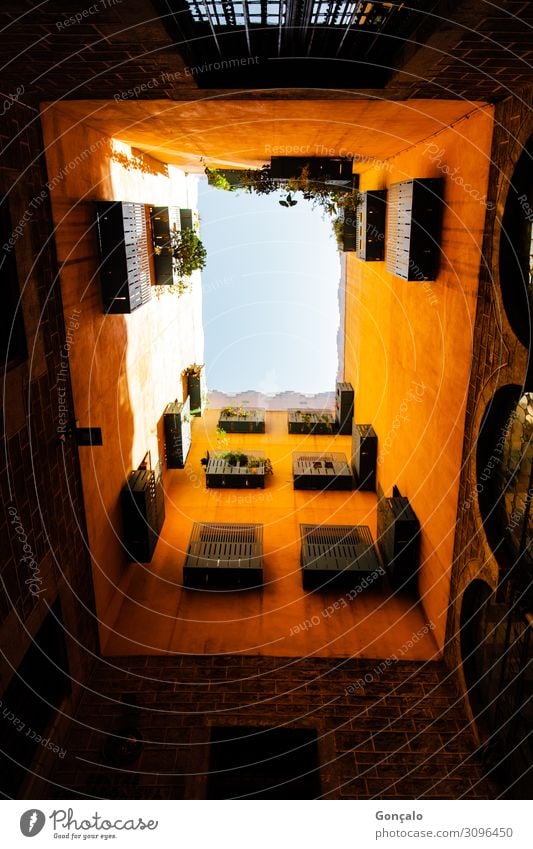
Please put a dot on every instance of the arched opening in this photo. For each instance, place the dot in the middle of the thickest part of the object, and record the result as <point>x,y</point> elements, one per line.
<point>516,247</point>
<point>496,651</point>
<point>505,483</point>
<point>476,647</point>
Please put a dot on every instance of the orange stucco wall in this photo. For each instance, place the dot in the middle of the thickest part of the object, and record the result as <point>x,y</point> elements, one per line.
<point>125,368</point>
<point>159,615</point>
<point>409,347</point>
<point>405,344</point>
<point>238,132</point>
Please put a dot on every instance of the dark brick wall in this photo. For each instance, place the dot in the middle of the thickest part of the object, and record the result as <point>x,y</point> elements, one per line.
<point>39,477</point>
<point>475,50</point>
<point>402,735</point>
<point>470,49</point>
<point>499,359</point>
<point>121,47</point>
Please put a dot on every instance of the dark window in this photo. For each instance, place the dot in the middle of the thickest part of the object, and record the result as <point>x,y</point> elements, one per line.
<point>497,654</point>
<point>12,336</point>
<point>263,763</point>
<point>477,641</point>
<point>516,247</point>
<point>31,700</point>
<point>505,483</point>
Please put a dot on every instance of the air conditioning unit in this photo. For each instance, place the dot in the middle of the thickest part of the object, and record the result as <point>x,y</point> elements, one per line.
<point>344,408</point>
<point>124,264</point>
<point>321,471</point>
<point>232,470</point>
<point>143,513</point>
<point>317,422</point>
<point>371,213</point>
<point>414,228</point>
<point>242,421</point>
<point>224,556</point>
<point>399,541</point>
<point>364,456</point>
<point>338,556</point>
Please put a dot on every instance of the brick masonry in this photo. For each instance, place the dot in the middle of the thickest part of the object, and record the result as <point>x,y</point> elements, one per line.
<point>471,49</point>
<point>499,359</point>
<point>401,734</point>
<point>39,477</point>
<point>372,738</point>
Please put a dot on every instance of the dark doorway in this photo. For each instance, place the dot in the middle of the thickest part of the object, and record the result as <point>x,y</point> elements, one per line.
<point>263,763</point>
<point>30,703</point>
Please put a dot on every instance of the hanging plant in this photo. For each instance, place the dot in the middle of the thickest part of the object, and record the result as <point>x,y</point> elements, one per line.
<point>330,199</point>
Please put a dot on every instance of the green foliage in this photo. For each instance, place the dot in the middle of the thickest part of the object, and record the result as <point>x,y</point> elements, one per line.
<point>332,200</point>
<point>259,180</point>
<point>222,439</point>
<point>217,180</point>
<point>188,252</point>
<point>235,458</point>
<point>235,413</point>
<point>338,227</point>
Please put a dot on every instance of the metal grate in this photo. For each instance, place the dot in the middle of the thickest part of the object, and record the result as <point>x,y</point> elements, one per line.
<point>337,553</point>
<point>224,555</point>
<point>413,230</point>
<point>321,471</point>
<point>246,43</point>
<point>124,266</point>
<point>227,535</point>
<point>219,472</point>
<point>248,420</point>
<point>318,13</point>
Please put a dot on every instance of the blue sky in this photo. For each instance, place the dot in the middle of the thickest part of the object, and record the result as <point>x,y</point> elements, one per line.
<point>270,294</point>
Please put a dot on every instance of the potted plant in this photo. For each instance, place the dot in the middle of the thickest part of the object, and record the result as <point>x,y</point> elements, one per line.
<point>236,458</point>
<point>242,420</point>
<point>253,464</point>
<point>193,376</point>
<point>177,249</point>
<point>188,252</point>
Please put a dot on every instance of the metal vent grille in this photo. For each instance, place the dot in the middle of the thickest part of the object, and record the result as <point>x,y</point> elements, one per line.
<point>232,536</point>
<point>337,553</point>
<point>321,471</point>
<point>413,230</point>
<point>224,555</point>
<point>314,458</point>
